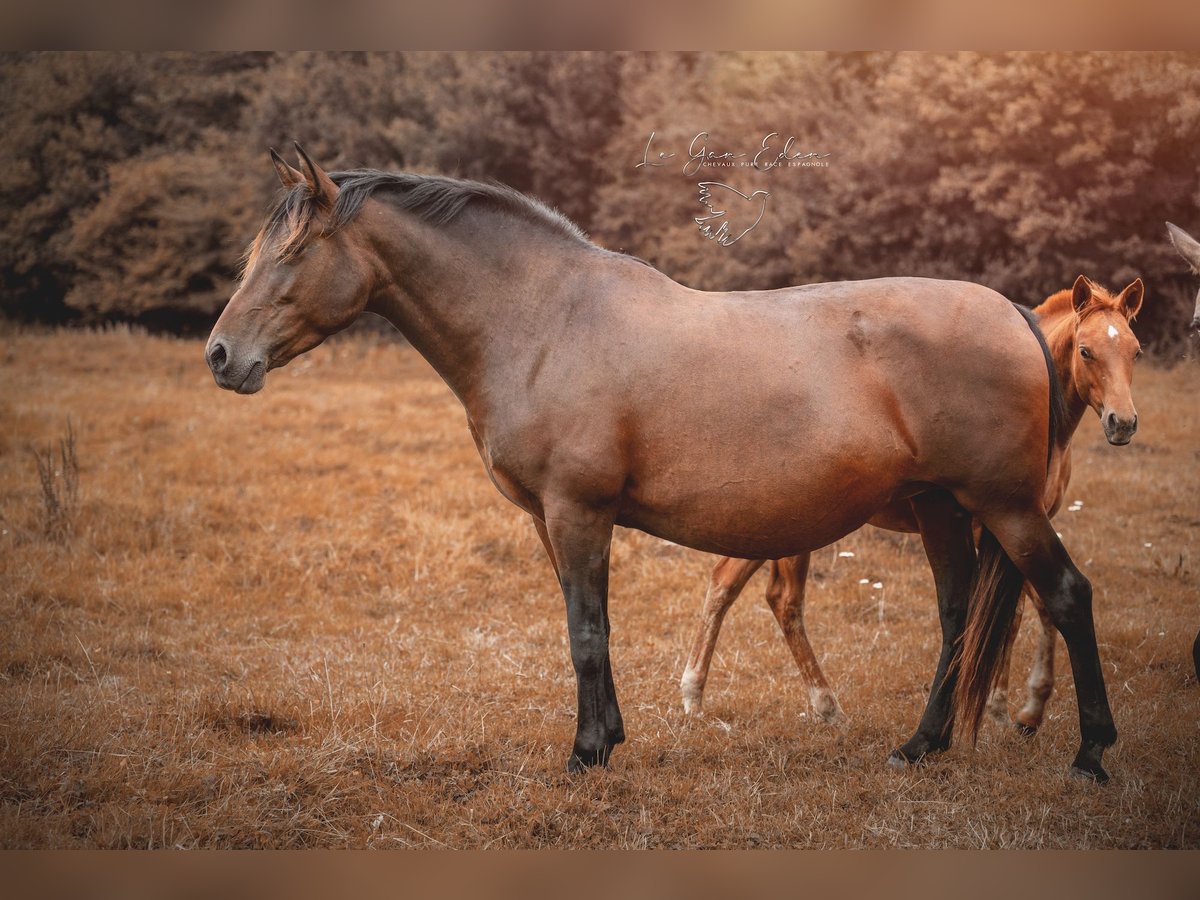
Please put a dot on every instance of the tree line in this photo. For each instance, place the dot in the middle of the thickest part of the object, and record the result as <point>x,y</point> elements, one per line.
<point>131,183</point>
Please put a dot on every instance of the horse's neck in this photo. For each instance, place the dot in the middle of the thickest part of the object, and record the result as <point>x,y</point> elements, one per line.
<point>473,296</point>
<point>1058,327</point>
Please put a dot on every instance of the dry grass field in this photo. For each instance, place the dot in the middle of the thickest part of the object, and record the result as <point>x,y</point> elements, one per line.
<point>306,618</point>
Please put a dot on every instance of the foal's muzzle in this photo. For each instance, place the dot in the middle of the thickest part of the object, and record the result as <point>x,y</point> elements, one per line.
<point>1118,430</point>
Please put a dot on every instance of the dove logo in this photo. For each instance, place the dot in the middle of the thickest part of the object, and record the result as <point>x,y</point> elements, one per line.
<point>730,215</point>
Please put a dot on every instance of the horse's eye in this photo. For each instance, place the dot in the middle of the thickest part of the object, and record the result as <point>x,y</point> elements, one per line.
<point>1085,352</point>
<point>1138,355</point>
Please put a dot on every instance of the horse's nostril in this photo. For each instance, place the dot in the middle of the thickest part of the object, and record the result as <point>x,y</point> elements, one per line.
<point>1110,421</point>
<point>217,357</point>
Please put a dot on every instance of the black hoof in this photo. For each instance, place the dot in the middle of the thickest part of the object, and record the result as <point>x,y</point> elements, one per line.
<point>915,750</point>
<point>1090,773</point>
<point>1087,763</point>
<point>1025,730</point>
<point>581,759</point>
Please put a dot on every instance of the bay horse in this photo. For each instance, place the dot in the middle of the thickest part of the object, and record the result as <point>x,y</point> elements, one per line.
<point>1093,348</point>
<point>1189,248</point>
<point>599,392</point>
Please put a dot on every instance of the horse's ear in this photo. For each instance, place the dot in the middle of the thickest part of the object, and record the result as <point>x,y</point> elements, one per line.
<point>318,181</point>
<point>288,176</point>
<point>1131,298</point>
<point>1188,246</point>
<point>1081,293</point>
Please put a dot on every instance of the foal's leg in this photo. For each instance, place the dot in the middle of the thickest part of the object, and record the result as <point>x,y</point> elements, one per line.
<point>1030,542</point>
<point>950,546</point>
<point>997,706</point>
<point>1041,675</point>
<point>785,596</point>
<point>579,540</point>
<point>725,583</point>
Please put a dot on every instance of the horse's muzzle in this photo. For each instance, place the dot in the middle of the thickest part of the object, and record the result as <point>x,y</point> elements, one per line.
<point>243,376</point>
<point>1119,431</point>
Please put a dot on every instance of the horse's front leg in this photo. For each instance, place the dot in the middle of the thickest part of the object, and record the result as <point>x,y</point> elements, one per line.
<point>579,542</point>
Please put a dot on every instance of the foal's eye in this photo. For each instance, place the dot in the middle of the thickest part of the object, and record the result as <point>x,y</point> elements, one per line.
<point>1138,355</point>
<point>1085,352</point>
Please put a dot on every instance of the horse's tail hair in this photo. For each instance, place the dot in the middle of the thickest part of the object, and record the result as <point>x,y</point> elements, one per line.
<point>996,590</point>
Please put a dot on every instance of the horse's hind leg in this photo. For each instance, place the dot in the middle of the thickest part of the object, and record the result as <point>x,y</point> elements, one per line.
<point>785,596</point>
<point>950,547</point>
<point>1041,675</point>
<point>579,541</point>
<point>725,583</point>
<point>1030,542</point>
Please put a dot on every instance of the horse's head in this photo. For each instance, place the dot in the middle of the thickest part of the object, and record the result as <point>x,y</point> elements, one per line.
<point>305,279</point>
<point>1105,348</point>
<point>1189,249</point>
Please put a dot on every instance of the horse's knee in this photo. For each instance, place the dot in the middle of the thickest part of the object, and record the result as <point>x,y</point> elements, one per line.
<point>589,651</point>
<point>718,598</point>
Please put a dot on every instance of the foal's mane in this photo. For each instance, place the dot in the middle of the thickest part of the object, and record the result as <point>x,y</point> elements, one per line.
<point>1057,313</point>
<point>436,199</point>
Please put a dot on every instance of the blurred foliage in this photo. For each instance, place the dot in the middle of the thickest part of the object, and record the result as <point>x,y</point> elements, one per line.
<point>132,182</point>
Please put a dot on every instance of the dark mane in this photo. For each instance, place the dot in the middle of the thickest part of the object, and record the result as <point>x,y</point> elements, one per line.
<point>436,199</point>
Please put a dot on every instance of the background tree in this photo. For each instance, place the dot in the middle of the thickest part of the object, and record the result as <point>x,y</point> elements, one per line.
<point>132,182</point>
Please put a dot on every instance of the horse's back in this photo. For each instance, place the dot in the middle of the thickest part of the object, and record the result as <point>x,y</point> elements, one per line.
<point>843,397</point>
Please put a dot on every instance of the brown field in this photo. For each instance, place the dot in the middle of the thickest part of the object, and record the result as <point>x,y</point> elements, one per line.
<point>306,618</point>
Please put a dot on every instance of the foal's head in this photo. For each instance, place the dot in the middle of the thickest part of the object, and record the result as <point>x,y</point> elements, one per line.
<point>305,278</point>
<point>1105,348</point>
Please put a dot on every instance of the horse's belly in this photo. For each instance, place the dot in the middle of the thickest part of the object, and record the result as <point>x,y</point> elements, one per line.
<point>765,515</point>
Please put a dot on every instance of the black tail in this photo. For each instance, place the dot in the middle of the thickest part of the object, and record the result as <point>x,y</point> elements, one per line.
<point>996,588</point>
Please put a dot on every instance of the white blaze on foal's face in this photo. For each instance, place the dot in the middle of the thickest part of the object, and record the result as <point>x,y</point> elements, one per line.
<point>1112,332</point>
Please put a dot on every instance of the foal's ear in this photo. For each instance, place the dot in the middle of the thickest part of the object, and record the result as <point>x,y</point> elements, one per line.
<point>1130,300</point>
<point>1081,293</point>
<point>288,176</point>
<point>1188,246</point>
<point>318,181</point>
